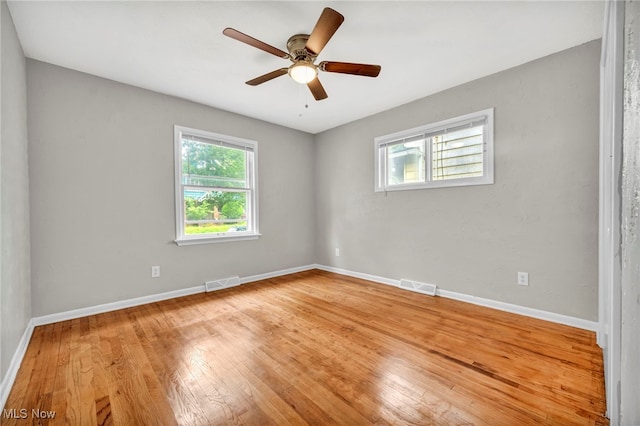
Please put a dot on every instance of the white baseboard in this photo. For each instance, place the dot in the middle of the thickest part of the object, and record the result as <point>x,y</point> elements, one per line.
<point>16,361</point>
<point>114,306</point>
<point>522,310</point>
<point>274,274</point>
<point>375,278</point>
<point>502,306</point>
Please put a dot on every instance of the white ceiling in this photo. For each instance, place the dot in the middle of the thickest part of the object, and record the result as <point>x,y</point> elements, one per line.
<point>177,48</point>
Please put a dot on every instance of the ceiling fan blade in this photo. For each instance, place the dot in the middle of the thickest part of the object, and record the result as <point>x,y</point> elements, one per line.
<point>267,77</point>
<point>237,35</point>
<point>316,89</point>
<point>326,26</point>
<point>349,68</point>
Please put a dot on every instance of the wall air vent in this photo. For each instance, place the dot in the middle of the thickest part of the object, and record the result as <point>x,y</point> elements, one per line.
<point>222,283</point>
<point>423,288</point>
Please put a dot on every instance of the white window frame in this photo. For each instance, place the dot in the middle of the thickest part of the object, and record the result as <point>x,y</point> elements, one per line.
<point>381,161</point>
<point>252,198</point>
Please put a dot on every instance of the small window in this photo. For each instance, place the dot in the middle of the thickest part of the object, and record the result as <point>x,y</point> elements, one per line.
<point>453,152</point>
<point>216,191</point>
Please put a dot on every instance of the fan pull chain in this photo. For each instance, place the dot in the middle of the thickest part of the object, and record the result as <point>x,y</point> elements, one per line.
<point>303,93</point>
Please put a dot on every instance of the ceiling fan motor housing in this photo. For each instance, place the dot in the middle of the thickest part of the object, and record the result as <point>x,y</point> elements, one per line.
<point>296,45</point>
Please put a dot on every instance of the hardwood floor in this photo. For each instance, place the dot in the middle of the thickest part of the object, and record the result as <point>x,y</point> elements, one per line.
<point>310,348</point>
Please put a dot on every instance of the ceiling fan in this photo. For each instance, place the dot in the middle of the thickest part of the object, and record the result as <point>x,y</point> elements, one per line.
<point>303,51</point>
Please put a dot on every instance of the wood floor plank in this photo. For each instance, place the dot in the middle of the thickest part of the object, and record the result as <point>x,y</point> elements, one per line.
<point>402,363</point>
<point>310,348</point>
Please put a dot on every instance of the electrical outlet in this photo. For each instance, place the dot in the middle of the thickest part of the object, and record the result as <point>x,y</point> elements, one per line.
<point>155,271</point>
<point>523,278</point>
<point>337,251</point>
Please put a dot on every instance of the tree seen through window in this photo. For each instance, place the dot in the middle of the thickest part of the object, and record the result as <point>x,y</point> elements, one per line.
<point>214,179</point>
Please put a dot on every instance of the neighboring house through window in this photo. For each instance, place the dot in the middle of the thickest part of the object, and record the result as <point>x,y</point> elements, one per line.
<point>453,152</point>
<point>216,191</point>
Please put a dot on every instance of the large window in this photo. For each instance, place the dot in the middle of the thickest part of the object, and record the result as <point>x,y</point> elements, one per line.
<point>215,187</point>
<point>453,152</point>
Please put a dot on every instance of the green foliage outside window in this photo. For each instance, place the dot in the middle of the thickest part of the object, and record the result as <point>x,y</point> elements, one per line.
<point>206,165</point>
<point>195,210</point>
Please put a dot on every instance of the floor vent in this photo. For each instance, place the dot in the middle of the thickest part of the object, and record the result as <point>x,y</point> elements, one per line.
<point>220,284</point>
<point>423,288</point>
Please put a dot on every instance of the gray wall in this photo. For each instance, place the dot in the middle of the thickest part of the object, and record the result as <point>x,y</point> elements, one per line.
<point>540,215</point>
<point>101,164</point>
<point>15,286</point>
<point>102,193</point>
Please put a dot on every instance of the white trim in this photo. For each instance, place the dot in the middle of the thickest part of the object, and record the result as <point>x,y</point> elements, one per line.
<point>251,147</point>
<point>216,138</point>
<point>16,362</point>
<point>609,266</point>
<point>375,278</point>
<point>114,306</point>
<point>186,241</point>
<point>501,306</point>
<point>274,274</point>
<point>521,310</point>
<point>128,303</point>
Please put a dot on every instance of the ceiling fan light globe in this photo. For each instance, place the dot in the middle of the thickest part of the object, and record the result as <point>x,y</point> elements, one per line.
<point>303,73</point>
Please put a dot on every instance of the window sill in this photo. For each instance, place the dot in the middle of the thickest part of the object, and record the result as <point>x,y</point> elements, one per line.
<point>212,240</point>
<point>484,180</point>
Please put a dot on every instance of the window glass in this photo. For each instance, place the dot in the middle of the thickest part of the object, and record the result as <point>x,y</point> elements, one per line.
<point>453,152</point>
<point>215,187</point>
<point>406,162</point>
<point>458,154</point>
